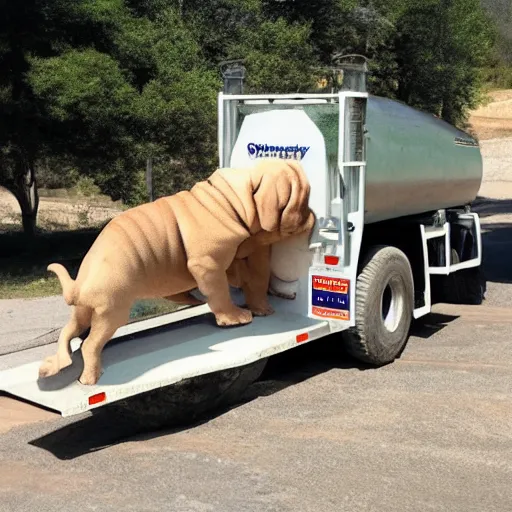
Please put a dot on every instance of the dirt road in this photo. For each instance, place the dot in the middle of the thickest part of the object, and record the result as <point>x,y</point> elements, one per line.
<point>432,431</point>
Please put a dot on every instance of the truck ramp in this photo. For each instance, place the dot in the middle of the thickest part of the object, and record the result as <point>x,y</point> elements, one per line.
<point>159,352</point>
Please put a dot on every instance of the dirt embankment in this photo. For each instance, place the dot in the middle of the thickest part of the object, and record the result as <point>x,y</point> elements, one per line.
<point>492,123</point>
<point>58,213</point>
<point>494,120</point>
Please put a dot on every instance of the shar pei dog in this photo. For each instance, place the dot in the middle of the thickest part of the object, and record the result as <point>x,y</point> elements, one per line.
<point>215,234</point>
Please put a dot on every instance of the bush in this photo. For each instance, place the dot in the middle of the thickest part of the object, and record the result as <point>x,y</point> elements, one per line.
<point>56,173</point>
<point>498,77</point>
<point>86,187</point>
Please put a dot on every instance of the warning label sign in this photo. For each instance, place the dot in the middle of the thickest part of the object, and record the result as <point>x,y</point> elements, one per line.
<point>330,297</point>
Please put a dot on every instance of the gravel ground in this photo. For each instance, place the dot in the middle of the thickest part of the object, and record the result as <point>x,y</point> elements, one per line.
<point>431,431</point>
<point>495,208</point>
<point>23,321</point>
<point>497,157</point>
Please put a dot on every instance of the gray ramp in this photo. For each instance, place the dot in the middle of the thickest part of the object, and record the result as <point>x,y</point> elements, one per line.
<point>181,345</point>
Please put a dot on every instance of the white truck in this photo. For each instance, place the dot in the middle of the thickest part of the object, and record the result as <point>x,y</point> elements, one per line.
<point>391,188</point>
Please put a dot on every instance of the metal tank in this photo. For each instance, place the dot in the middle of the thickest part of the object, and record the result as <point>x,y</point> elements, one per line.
<point>415,162</point>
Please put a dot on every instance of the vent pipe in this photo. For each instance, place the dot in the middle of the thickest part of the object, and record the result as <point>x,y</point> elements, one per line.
<point>233,74</point>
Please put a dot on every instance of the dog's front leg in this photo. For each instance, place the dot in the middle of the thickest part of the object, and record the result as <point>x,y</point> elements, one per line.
<point>212,282</point>
<point>256,281</point>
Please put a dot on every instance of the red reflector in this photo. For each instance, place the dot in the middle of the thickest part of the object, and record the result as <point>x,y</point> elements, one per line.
<point>331,260</point>
<point>302,337</point>
<point>98,398</point>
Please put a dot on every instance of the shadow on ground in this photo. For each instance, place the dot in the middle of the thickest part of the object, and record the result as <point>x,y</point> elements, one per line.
<point>72,244</point>
<point>28,258</point>
<point>108,426</point>
<point>487,206</point>
<point>496,239</point>
<point>497,252</point>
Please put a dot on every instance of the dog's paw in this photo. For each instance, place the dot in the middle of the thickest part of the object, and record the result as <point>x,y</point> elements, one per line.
<point>283,289</point>
<point>89,378</point>
<point>64,360</point>
<point>263,309</point>
<point>281,295</point>
<point>49,367</point>
<point>236,316</point>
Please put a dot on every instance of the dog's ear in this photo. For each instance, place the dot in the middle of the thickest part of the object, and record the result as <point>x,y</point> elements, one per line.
<point>297,214</point>
<point>271,192</point>
<point>281,195</point>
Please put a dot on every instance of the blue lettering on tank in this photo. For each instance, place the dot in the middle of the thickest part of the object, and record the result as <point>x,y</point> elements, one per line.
<point>266,151</point>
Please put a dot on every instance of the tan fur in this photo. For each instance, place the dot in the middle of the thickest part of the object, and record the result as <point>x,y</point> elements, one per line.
<point>216,233</point>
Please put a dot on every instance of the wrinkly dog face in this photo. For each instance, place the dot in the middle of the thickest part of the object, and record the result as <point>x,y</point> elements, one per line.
<point>286,191</point>
<point>281,195</point>
<point>270,198</point>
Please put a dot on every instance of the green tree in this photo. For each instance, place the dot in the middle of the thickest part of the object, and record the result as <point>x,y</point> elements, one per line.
<point>103,93</point>
<point>331,31</point>
<point>102,85</point>
<point>22,26</point>
<point>278,56</point>
<point>98,86</point>
<point>32,30</point>
<point>440,48</point>
<point>427,53</point>
<point>498,70</point>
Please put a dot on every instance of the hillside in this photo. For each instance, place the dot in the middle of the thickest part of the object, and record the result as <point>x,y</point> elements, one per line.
<point>494,120</point>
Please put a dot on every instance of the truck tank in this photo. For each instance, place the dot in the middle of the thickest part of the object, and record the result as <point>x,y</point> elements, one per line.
<point>415,162</point>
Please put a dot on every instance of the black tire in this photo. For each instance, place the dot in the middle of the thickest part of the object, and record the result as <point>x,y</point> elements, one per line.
<point>465,286</point>
<point>189,399</point>
<point>384,307</point>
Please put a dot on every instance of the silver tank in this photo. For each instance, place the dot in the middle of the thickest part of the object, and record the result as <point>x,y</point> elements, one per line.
<point>416,162</point>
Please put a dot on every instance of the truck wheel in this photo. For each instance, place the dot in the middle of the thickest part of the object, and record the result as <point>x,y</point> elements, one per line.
<point>384,306</point>
<point>186,401</point>
<point>466,286</point>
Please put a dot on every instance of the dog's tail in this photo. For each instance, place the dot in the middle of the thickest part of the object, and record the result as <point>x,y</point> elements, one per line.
<point>68,285</point>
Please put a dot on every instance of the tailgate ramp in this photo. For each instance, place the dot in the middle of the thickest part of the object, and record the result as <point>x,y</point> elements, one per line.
<point>158,352</point>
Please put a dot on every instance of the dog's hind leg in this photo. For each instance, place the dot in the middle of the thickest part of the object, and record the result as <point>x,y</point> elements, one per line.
<point>80,320</point>
<point>104,324</point>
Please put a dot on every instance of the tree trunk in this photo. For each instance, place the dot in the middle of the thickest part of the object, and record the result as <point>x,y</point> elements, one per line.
<point>27,195</point>
<point>149,178</point>
<point>447,111</point>
<point>403,92</point>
